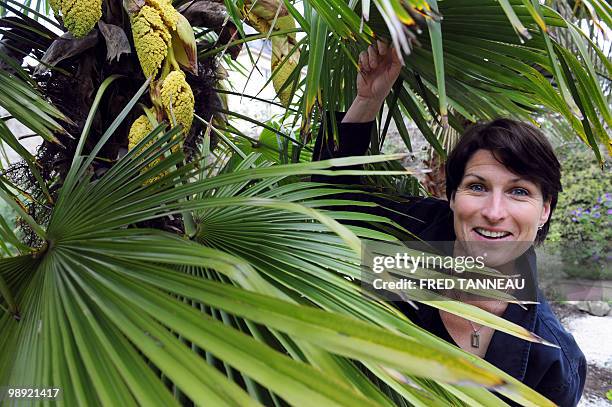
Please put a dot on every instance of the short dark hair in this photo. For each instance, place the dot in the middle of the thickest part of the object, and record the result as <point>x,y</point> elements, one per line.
<point>519,146</point>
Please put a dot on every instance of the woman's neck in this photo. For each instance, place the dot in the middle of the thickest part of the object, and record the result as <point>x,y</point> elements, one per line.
<point>496,307</point>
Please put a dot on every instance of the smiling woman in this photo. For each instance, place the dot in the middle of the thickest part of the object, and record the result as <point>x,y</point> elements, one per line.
<point>503,181</point>
<point>512,167</point>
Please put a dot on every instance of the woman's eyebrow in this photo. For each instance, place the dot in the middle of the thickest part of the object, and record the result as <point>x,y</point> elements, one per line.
<point>471,174</point>
<point>483,179</point>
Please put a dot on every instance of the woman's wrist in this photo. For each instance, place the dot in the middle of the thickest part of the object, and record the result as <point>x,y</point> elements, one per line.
<point>362,110</point>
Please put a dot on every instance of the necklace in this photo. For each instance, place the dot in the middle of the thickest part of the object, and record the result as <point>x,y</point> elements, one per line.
<point>475,336</point>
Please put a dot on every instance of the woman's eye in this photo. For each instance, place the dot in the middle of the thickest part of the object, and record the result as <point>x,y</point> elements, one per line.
<point>520,192</point>
<point>476,187</point>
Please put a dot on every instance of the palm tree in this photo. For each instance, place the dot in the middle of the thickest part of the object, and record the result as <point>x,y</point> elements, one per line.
<point>187,269</point>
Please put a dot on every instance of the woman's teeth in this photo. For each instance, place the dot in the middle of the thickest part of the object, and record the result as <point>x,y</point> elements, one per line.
<point>491,234</point>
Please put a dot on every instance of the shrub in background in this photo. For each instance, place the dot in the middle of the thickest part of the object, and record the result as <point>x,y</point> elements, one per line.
<point>581,224</point>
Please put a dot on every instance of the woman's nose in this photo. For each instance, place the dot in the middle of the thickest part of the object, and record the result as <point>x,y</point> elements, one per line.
<point>494,209</point>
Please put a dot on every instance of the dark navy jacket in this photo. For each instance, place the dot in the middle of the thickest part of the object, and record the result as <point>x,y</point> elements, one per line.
<point>557,373</point>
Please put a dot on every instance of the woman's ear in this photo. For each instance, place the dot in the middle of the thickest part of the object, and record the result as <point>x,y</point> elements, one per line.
<point>545,212</point>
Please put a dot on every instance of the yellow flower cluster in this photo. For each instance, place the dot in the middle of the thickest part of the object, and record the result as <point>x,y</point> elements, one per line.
<point>79,16</point>
<point>151,28</point>
<point>164,42</point>
<point>166,11</point>
<point>177,99</point>
<point>55,5</point>
<point>140,129</point>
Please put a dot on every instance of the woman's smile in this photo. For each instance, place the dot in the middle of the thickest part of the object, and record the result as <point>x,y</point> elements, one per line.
<point>490,234</point>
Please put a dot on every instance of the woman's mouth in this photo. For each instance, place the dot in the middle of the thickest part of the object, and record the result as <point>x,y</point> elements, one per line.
<point>490,234</point>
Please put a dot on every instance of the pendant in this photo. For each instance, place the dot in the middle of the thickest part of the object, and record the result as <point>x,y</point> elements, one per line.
<point>475,340</point>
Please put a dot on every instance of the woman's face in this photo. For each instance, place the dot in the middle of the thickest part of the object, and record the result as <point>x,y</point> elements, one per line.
<point>496,210</point>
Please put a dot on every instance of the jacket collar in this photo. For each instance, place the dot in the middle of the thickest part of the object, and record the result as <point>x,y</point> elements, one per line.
<point>508,352</point>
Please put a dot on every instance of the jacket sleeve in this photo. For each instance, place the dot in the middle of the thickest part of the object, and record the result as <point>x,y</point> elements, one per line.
<point>563,369</point>
<point>570,384</point>
<point>414,214</point>
<point>353,140</point>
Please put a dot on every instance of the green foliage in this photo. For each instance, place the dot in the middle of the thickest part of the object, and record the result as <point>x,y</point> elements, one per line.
<point>581,223</point>
<point>8,215</point>
<point>272,146</point>
<point>5,211</point>
<point>264,307</point>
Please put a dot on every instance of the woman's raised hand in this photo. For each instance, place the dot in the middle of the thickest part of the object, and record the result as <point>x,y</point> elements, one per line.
<point>379,69</point>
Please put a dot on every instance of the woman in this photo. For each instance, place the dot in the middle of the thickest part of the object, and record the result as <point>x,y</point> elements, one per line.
<point>502,182</point>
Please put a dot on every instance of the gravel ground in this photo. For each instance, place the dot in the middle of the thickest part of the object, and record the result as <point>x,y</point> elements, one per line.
<point>594,336</point>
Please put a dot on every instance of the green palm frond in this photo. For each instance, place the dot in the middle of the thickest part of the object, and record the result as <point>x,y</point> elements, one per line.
<point>35,8</point>
<point>488,69</point>
<point>28,107</point>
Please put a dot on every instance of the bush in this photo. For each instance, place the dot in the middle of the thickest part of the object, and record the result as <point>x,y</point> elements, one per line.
<point>581,222</point>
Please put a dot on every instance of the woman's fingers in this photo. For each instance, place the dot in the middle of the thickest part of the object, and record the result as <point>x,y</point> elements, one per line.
<point>373,57</point>
<point>376,55</point>
<point>383,47</point>
<point>363,62</point>
<point>387,51</point>
<point>395,58</point>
